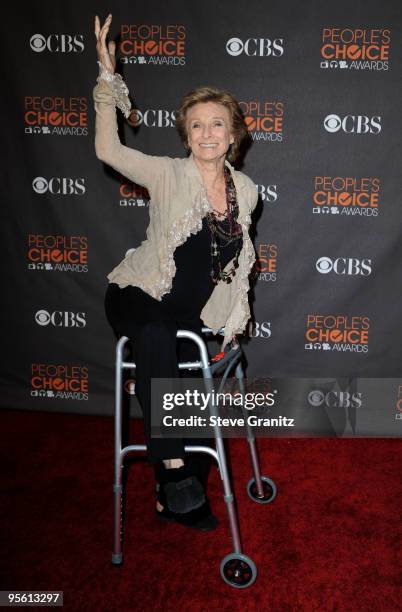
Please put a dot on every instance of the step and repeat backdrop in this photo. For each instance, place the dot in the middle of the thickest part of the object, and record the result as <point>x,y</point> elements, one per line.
<point>319,85</point>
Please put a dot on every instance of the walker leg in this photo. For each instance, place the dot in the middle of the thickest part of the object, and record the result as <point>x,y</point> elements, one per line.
<point>236,569</point>
<point>227,491</point>
<point>250,435</point>
<point>117,555</point>
<point>261,489</point>
<point>228,497</point>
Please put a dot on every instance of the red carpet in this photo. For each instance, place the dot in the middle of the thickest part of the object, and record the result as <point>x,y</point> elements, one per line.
<point>330,541</point>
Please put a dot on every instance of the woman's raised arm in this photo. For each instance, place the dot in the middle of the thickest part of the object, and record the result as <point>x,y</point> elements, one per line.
<point>111,91</point>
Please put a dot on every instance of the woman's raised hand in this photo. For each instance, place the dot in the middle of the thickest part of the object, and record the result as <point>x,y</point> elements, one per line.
<point>106,53</point>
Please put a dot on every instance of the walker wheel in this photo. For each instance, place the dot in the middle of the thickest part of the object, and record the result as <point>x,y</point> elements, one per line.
<point>268,486</point>
<point>238,570</point>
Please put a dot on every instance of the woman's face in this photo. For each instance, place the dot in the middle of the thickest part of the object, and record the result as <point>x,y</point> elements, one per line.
<point>209,130</point>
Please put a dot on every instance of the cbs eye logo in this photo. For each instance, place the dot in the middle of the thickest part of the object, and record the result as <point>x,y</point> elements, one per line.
<point>42,317</point>
<point>40,185</point>
<point>38,43</point>
<point>332,123</point>
<point>234,46</point>
<point>324,265</point>
<point>315,397</point>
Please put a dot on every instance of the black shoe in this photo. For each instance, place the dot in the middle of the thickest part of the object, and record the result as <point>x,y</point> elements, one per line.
<point>200,518</point>
<point>208,523</point>
<point>182,490</point>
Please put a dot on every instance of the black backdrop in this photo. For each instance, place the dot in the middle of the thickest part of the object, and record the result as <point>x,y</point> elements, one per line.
<point>319,84</point>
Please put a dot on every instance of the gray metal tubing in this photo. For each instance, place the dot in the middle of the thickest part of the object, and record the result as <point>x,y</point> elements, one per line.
<point>182,366</point>
<point>231,354</point>
<point>208,330</point>
<point>127,365</point>
<point>132,448</point>
<point>218,454</point>
<point>117,485</point>
<point>226,373</point>
<point>204,449</point>
<point>184,333</point>
<point>228,495</point>
<point>250,435</point>
<point>136,448</point>
<point>190,365</point>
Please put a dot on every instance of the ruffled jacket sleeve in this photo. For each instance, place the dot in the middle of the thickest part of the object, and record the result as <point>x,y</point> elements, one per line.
<point>111,92</point>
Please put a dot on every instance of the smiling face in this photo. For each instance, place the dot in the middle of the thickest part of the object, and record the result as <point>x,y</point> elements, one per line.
<point>209,133</point>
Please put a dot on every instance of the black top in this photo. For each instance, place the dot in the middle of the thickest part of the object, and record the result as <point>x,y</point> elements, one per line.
<point>192,284</point>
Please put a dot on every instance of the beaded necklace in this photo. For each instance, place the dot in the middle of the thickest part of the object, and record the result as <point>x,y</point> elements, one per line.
<point>224,231</point>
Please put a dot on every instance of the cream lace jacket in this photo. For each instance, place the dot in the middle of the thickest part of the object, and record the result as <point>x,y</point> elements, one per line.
<point>177,207</point>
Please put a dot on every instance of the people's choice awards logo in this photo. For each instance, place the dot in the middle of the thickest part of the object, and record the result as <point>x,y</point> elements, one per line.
<point>255,47</point>
<point>264,119</point>
<point>265,266</point>
<point>59,381</point>
<point>153,44</point>
<point>346,195</point>
<point>56,115</point>
<point>353,124</point>
<point>133,195</point>
<point>340,333</point>
<point>57,43</point>
<point>355,48</point>
<point>58,253</point>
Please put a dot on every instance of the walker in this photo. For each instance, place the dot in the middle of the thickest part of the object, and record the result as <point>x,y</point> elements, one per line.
<point>236,568</point>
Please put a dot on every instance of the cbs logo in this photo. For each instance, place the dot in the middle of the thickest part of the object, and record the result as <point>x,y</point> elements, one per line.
<point>334,399</point>
<point>60,318</point>
<point>267,193</point>
<point>57,43</point>
<point>152,118</point>
<point>259,330</point>
<point>353,124</point>
<point>343,265</point>
<point>262,47</point>
<point>59,186</point>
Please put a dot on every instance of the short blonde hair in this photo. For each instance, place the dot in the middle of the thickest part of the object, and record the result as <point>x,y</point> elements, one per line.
<point>219,96</point>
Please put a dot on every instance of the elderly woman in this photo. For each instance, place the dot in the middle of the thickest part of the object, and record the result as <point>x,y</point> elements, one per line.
<point>193,266</point>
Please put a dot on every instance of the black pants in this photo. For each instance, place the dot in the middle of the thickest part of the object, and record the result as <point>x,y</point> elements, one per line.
<point>133,313</point>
